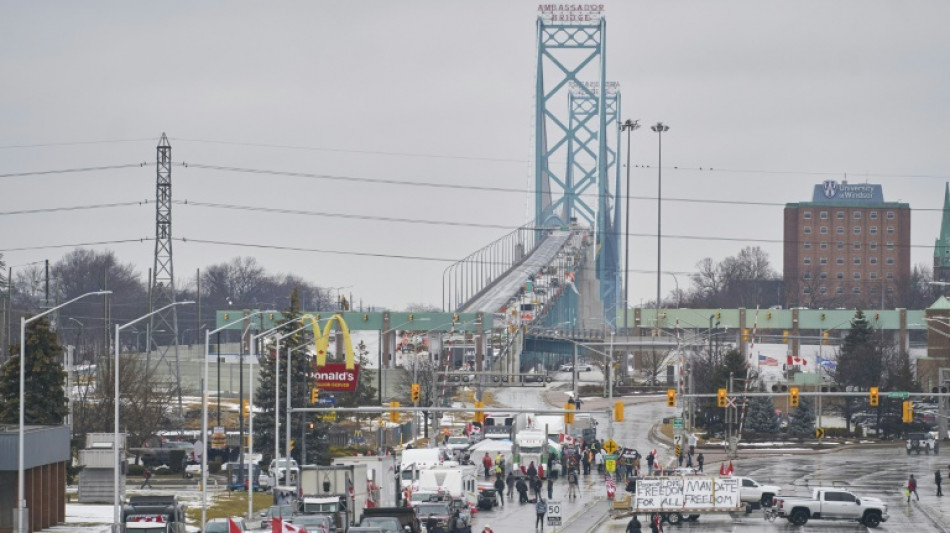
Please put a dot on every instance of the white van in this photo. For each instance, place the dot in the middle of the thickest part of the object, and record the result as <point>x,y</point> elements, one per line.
<point>459,481</point>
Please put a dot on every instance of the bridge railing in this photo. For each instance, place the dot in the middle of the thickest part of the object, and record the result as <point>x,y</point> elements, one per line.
<point>464,279</point>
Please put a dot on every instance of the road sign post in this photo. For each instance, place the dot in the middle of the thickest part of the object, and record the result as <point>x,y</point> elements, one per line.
<point>554,513</point>
<point>903,395</point>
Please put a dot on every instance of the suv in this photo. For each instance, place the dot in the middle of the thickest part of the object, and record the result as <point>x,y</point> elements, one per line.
<point>922,441</point>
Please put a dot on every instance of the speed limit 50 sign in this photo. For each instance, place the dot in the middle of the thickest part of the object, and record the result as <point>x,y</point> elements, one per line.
<point>554,513</point>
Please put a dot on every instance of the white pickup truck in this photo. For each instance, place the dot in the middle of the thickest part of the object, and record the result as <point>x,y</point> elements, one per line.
<point>830,504</point>
<point>751,491</point>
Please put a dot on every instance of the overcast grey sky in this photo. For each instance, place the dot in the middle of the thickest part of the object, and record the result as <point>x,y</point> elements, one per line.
<point>775,96</point>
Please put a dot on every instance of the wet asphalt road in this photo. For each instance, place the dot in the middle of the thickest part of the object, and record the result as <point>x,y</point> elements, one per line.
<point>877,472</point>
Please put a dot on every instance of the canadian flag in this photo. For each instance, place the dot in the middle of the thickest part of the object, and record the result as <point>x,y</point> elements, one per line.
<point>278,526</point>
<point>729,470</point>
<point>233,527</point>
<point>562,438</point>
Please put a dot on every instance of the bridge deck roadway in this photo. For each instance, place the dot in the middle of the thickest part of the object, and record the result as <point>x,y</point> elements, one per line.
<point>497,295</point>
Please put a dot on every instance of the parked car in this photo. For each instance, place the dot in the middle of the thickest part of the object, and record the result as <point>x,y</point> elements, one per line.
<point>318,523</point>
<point>284,512</point>
<point>922,442</point>
<point>222,525</point>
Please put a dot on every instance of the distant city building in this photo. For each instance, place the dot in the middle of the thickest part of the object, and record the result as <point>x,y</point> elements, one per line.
<point>942,246</point>
<point>847,248</point>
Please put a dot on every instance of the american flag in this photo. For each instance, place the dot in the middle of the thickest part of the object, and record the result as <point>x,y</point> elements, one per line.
<point>765,360</point>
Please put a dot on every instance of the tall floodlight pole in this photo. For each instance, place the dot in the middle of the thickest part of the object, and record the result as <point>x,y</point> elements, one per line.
<point>628,126</point>
<point>659,128</point>
<point>116,503</point>
<point>204,417</point>
<point>21,471</point>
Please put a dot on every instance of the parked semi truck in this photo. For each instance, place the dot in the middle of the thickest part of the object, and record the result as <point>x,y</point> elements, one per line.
<point>340,490</point>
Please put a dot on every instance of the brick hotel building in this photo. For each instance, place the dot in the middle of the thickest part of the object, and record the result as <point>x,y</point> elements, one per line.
<point>846,248</point>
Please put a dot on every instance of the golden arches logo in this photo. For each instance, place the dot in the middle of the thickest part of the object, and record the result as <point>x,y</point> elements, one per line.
<point>322,339</point>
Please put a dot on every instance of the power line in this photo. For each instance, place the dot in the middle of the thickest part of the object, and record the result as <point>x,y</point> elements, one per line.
<point>73,245</point>
<point>352,151</point>
<point>69,170</point>
<point>72,143</point>
<point>285,211</point>
<point>317,250</point>
<point>72,208</point>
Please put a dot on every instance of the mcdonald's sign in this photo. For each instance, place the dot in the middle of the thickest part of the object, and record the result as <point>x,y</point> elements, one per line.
<point>335,377</point>
<point>322,339</point>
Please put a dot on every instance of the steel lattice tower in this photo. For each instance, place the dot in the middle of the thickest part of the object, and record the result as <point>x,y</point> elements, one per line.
<point>573,55</point>
<point>164,325</point>
<point>592,164</point>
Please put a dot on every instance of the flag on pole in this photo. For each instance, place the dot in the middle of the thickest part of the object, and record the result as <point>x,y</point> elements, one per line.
<point>722,470</point>
<point>765,360</point>
<point>233,527</point>
<point>278,526</point>
<point>729,470</point>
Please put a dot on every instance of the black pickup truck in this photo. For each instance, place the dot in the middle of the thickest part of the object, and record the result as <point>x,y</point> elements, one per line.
<point>406,516</point>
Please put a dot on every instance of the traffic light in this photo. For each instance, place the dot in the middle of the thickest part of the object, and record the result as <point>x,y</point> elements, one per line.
<point>314,393</point>
<point>745,335</point>
<point>410,317</point>
<point>415,392</point>
<point>721,399</point>
<point>824,338</point>
<point>874,398</point>
<point>908,412</point>
<point>455,318</point>
<point>245,408</point>
<point>569,417</point>
<point>671,397</point>
<point>394,414</point>
<point>785,336</point>
<point>793,396</point>
<point>226,315</point>
<point>479,415</point>
<point>618,411</point>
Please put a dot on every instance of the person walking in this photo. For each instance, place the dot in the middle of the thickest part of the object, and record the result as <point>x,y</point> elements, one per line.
<point>550,487</point>
<point>500,489</point>
<point>540,509</point>
<point>599,462</point>
<point>572,485</point>
<point>510,481</point>
<point>147,474</point>
<point>486,462</point>
<point>650,464</point>
<point>912,488</point>
<point>634,525</point>
<point>656,523</point>
<point>532,470</point>
<point>636,465</point>
<point>585,461</point>
<point>536,486</point>
<point>937,481</point>
<point>689,458</point>
<point>522,487</point>
<point>700,460</point>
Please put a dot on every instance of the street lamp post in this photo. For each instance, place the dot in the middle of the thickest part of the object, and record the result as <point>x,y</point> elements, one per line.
<point>117,508</point>
<point>204,415</point>
<point>659,128</point>
<point>628,126</point>
<point>21,471</point>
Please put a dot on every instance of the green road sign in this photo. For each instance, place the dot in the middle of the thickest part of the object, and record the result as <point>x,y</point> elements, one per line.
<point>677,423</point>
<point>903,395</point>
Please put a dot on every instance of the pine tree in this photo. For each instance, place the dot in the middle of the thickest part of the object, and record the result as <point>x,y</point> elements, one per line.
<point>301,370</point>
<point>45,397</point>
<point>732,364</point>
<point>802,423</point>
<point>760,415</point>
<point>860,361</point>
